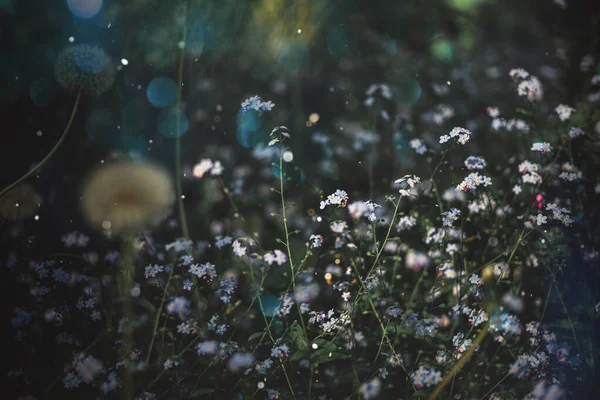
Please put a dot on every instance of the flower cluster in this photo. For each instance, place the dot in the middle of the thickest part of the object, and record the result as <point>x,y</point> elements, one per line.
<point>255,103</point>
<point>564,111</point>
<point>207,165</point>
<point>339,197</point>
<point>228,286</point>
<point>462,134</point>
<point>424,377</point>
<point>542,147</point>
<point>472,181</point>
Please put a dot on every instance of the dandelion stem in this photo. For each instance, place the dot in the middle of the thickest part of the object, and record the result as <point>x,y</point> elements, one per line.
<point>182,218</point>
<point>56,146</point>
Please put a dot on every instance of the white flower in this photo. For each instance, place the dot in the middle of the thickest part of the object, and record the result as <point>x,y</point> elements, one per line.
<point>540,219</point>
<point>518,73</point>
<point>202,168</point>
<point>493,112</point>
<point>542,147</point>
<point>564,112</point>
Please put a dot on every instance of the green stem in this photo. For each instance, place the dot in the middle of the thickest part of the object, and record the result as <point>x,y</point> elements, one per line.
<point>158,311</point>
<point>128,271</point>
<point>182,218</point>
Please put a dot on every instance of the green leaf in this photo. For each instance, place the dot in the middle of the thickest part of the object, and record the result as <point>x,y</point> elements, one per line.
<point>298,355</point>
<point>297,335</point>
<point>256,336</point>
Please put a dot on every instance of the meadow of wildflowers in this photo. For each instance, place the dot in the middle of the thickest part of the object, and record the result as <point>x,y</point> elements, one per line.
<point>276,200</point>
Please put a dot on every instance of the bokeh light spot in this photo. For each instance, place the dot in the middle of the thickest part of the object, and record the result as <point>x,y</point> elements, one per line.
<point>293,56</point>
<point>162,92</point>
<point>132,123</point>
<point>200,38</point>
<point>102,128</point>
<point>249,132</point>
<point>341,43</point>
<point>85,8</point>
<point>408,91</point>
<point>270,304</point>
<point>441,50</point>
<point>42,92</point>
<point>172,122</point>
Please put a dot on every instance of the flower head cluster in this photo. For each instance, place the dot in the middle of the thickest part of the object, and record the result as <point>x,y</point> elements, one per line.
<point>575,132</point>
<point>406,222</point>
<point>370,390</point>
<point>279,257</point>
<point>426,377</point>
<point>75,239</point>
<point>531,88</point>
<point>228,286</point>
<point>542,147</point>
<point>473,180</point>
<point>285,305</point>
<point>219,329</point>
<point>339,197</point>
<point>473,163</point>
<point>384,89</point>
<point>206,271</point>
<point>407,181</point>
<point>560,213</point>
<point>463,135</point>
<point>530,172</point>
<point>179,306</point>
<point>327,321</point>
<point>238,249</point>
<point>416,260</point>
<point>206,165</point>
<point>179,245</point>
<point>263,367</point>
<point>564,111</point>
<point>316,240</point>
<point>418,145</point>
<point>255,103</point>
<point>449,217</point>
<point>222,241</point>
<point>518,73</point>
<point>283,350</point>
<point>152,270</point>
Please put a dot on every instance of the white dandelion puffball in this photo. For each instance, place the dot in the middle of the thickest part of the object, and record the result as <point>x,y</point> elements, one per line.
<point>126,197</point>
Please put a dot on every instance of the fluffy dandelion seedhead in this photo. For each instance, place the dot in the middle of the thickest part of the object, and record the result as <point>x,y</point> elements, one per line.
<point>20,203</point>
<point>85,68</point>
<point>126,197</point>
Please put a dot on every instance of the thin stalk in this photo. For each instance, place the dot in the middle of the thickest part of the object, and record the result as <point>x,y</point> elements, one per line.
<point>182,218</point>
<point>127,265</point>
<point>158,311</point>
<point>56,146</point>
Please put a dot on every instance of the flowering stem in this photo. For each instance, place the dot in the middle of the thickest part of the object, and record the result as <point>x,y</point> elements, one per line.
<point>158,311</point>
<point>382,246</point>
<point>56,146</point>
<point>293,276</point>
<point>127,265</point>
